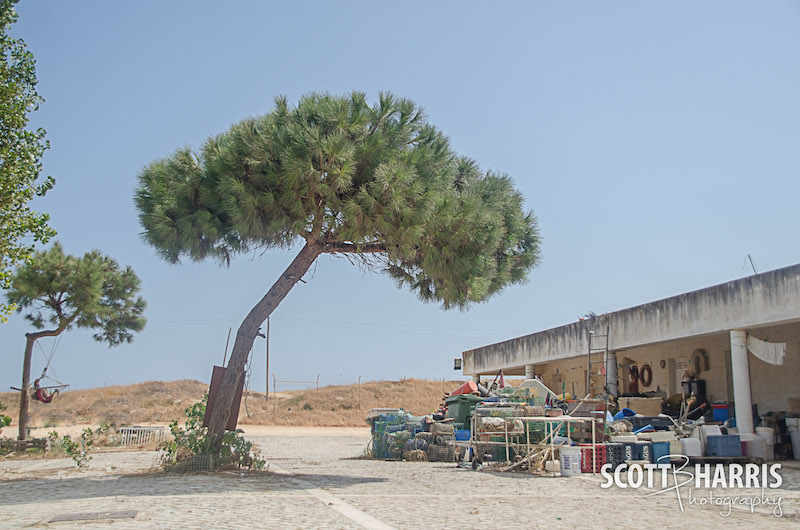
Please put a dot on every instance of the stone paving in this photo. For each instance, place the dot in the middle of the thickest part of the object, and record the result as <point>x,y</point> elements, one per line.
<point>323,484</point>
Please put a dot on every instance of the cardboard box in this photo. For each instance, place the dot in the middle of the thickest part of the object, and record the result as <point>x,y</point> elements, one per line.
<point>643,406</point>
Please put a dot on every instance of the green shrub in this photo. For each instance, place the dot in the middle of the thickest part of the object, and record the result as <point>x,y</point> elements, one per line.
<point>78,450</point>
<point>5,421</point>
<point>192,439</point>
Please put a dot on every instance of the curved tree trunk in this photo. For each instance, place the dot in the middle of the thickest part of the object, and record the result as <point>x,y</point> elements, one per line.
<point>246,334</point>
<point>24,393</point>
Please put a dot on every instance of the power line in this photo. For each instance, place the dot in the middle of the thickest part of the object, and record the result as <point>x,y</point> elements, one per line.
<point>376,326</point>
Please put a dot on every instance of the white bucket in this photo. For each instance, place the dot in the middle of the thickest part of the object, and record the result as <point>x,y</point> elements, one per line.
<point>769,453</point>
<point>570,461</point>
<point>793,426</point>
<point>551,466</point>
<point>691,447</point>
<point>754,446</point>
<point>767,433</point>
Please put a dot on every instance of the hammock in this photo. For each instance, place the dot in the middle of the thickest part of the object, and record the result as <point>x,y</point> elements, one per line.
<point>45,394</point>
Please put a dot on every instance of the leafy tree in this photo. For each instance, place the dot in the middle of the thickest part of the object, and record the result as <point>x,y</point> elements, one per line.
<point>20,154</point>
<point>62,291</point>
<point>377,184</point>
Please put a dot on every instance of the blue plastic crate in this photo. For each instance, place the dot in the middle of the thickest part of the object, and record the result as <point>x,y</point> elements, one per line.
<point>660,449</point>
<point>629,451</point>
<point>723,445</point>
<point>643,451</point>
<point>720,412</point>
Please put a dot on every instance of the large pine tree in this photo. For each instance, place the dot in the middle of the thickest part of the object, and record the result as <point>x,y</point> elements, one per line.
<point>60,292</point>
<point>376,183</point>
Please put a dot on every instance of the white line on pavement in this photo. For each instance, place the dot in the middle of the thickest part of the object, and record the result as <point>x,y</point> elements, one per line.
<point>348,510</point>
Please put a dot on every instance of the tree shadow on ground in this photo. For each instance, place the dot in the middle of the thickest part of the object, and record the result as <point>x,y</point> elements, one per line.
<point>37,490</point>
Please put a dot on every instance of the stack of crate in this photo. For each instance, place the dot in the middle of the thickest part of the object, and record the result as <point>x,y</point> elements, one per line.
<point>589,408</point>
<point>615,454</point>
<point>593,461</point>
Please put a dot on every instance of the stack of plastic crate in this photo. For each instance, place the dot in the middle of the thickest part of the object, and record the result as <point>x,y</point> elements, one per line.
<point>615,454</point>
<point>590,463</point>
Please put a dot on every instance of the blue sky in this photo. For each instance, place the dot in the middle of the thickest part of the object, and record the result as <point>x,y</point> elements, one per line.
<point>656,142</point>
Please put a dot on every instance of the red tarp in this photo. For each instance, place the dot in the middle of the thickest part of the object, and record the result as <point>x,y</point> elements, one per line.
<point>467,388</point>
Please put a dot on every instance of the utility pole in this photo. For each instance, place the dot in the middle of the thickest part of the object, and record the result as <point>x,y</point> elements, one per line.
<point>267,372</point>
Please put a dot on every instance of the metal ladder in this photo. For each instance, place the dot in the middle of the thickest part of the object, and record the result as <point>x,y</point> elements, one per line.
<point>596,359</point>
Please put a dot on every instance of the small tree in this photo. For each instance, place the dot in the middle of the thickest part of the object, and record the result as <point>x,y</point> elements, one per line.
<point>376,184</point>
<point>20,154</point>
<point>64,291</point>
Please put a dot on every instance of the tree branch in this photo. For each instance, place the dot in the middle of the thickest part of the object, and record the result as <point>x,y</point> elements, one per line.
<point>63,324</point>
<point>339,246</point>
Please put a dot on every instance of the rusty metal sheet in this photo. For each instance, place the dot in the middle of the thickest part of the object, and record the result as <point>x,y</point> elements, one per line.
<point>216,380</point>
<point>94,516</point>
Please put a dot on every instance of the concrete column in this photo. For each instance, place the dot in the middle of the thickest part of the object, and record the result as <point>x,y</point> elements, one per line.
<point>476,378</point>
<point>740,365</point>
<point>611,373</point>
<point>529,371</point>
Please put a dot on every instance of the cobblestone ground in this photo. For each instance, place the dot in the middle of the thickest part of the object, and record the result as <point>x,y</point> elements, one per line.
<point>318,482</point>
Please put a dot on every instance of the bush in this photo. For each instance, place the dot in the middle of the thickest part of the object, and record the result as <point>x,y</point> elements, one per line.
<point>192,440</point>
<point>77,449</point>
<point>5,421</point>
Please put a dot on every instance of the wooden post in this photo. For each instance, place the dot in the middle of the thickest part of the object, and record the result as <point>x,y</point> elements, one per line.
<point>528,442</point>
<point>274,390</point>
<point>506,425</point>
<point>594,448</point>
<point>227,342</point>
<point>267,393</point>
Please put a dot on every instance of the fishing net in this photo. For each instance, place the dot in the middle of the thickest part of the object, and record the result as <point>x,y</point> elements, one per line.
<point>427,437</point>
<point>417,455</point>
<point>414,444</point>
<point>442,428</point>
<point>387,440</point>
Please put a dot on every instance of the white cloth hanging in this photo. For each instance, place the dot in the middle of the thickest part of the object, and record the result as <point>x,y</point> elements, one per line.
<point>769,352</point>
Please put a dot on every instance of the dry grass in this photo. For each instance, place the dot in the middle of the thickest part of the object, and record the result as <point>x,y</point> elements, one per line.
<point>161,402</point>
<point>345,405</point>
<point>153,401</point>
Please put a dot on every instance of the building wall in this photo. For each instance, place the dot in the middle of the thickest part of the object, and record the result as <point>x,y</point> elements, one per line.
<point>666,378</point>
<point>777,388</point>
<point>755,301</point>
<point>773,388</point>
<point>570,372</point>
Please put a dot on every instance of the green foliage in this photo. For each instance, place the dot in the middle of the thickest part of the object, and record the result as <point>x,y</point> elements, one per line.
<point>192,439</point>
<point>21,151</point>
<point>106,435</point>
<point>307,406</point>
<point>5,421</point>
<point>90,292</point>
<point>375,182</point>
<point>79,449</point>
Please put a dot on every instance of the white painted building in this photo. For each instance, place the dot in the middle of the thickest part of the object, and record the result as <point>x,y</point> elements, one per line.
<point>703,333</point>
